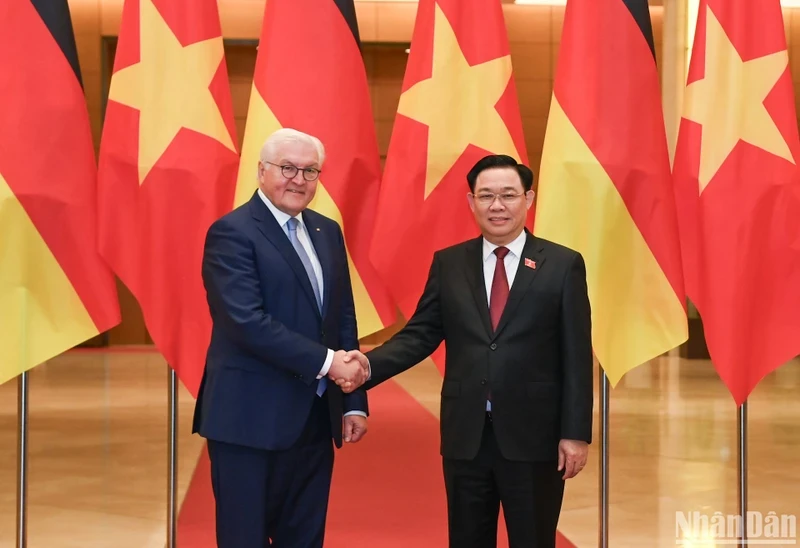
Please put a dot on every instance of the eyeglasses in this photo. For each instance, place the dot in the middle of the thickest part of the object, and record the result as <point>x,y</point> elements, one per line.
<point>290,172</point>
<point>488,198</point>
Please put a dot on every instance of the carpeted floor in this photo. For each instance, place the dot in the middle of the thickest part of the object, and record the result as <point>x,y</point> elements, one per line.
<point>392,478</point>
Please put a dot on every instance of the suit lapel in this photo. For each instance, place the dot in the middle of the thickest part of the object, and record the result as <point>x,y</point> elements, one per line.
<point>474,274</point>
<point>522,279</point>
<point>269,227</point>
<point>318,240</point>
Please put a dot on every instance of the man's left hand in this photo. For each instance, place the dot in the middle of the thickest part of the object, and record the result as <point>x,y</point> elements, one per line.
<point>572,455</point>
<point>355,426</point>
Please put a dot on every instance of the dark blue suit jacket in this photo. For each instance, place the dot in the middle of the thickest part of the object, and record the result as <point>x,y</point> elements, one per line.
<point>269,341</point>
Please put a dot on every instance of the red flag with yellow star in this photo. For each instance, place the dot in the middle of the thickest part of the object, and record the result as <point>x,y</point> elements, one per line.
<point>55,289</point>
<point>333,104</point>
<point>167,168</point>
<point>738,189</point>
<point>458,104</point>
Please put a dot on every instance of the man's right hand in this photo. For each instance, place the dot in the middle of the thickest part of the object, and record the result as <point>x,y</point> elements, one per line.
<point>349,375</point>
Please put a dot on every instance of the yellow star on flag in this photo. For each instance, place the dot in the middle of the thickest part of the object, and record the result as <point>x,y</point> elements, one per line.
<point>457,103</point>
<point>170,88</point>
<point>729,101</point>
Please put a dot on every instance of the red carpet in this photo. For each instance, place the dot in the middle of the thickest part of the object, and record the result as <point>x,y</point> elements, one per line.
<point>393,478</point>
<point>196,520</point>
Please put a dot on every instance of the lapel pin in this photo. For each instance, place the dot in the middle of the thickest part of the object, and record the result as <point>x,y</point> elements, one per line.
<point>318,230</point>
<point>530,263</point>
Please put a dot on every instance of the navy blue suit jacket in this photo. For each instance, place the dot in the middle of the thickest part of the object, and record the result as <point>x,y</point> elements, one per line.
<point>269,340</point>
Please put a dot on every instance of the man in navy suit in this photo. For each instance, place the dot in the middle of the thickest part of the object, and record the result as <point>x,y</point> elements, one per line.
<point>278,287</point>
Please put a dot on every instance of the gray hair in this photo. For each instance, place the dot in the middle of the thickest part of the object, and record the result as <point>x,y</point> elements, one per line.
<point>286,135</point>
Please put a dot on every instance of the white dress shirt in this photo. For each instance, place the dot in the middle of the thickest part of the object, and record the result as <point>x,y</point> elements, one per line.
<point>511,263</point>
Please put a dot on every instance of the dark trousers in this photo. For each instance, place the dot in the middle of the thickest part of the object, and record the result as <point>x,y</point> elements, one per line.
<point>274,498</point>
<point>530,492</point>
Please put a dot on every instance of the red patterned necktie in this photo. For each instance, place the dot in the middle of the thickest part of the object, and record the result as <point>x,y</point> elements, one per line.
<point>499,294</point>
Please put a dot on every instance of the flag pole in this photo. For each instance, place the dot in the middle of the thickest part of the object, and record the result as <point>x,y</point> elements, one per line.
<point>172,459</point>
<point>742,465</point>
<point>603,521</point>
<point>22,461</point>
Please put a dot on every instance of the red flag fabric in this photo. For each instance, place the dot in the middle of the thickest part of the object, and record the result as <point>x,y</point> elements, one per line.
<point>55,289</point>
<point>737,187</point>
<point>167,168</point>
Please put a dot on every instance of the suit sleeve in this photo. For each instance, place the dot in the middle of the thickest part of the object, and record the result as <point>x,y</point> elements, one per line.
<point>348,331</point>
<point>576,353</point>
<point>232,285</point>
<point>420,337</point>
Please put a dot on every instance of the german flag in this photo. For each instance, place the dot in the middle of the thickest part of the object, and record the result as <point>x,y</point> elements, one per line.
<point>167,168</point>
<point>605,185</point>
<point>55,290</point>
<point>318,85</point>
<point>737,185</point>
<point>458,104</point>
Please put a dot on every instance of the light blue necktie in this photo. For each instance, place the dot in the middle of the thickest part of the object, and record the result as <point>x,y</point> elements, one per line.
<point>312,277</point>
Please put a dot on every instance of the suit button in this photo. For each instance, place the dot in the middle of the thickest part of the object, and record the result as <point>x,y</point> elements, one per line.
<point>493,346</point>
<point>322,334</point>
<point>299,376</point>
<point>483,382</point>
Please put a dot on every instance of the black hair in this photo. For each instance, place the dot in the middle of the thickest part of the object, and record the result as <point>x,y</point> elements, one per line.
<point>499,161</point>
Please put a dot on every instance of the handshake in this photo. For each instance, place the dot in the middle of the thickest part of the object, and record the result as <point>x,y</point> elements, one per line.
<point>349,370</point>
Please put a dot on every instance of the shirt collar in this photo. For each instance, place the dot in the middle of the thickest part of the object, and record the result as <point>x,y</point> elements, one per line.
<point>280,216</point>
<point>515,247</point>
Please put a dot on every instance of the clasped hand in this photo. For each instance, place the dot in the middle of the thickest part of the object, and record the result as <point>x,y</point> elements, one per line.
<point>349,370</point>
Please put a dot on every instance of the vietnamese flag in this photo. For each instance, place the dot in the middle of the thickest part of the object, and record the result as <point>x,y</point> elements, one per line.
<point>317,84</point>
<point>55,290</point>
<point>167,168</point>
<point>737,186</point>
<point>458,104</point>
<point>605,186</point>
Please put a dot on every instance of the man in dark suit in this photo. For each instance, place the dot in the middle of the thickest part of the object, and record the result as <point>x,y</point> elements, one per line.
<point>516,407</point>
<point>278,287</point>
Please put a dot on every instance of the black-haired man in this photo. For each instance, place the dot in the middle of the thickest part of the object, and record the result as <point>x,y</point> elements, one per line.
<point>516,408</point>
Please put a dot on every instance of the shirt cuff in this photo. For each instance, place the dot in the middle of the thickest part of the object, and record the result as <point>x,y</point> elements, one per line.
<point>359,413</point>
<point>327,365</point>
